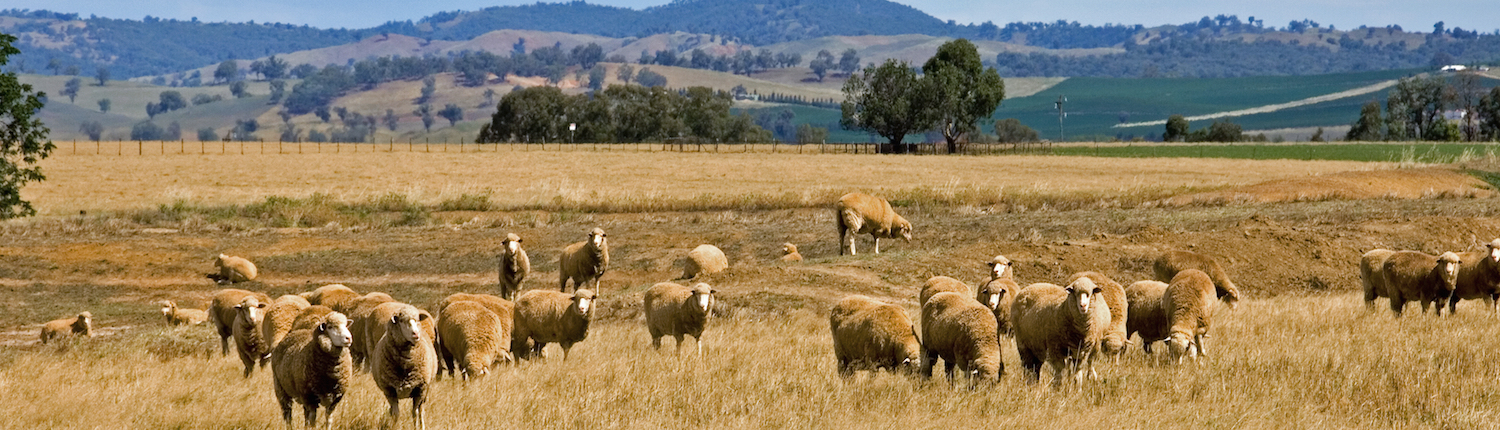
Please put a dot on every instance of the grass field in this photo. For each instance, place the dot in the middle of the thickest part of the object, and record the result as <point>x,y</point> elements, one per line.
<point>1373,152</point>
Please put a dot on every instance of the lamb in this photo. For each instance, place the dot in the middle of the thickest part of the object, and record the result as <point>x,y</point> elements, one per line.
<point>312,367</point>
<point>941,284</point>
<point>472,335</point>
<point>868,334</point>
<point>1372,275</point>
<point>1414,275</point>
<point>253,348</point>
<point>704,260</point>
<point>1478,277</point>
<point>1146,316</point>
<point>1116,338</point>
<point>176,316</point>
<point>375,326</point>
<point>59,329</point>
<point>551,316</point>
<point>514,266</point>
<point>961,332</point>
<point>1189,300</point>
<point>360,312</point>
<point>232,270</point>
<point>675,310</point>
<point>222,312</point>
<point>1060,326</point>
<point>403,362</point>
<point>859,213</point>
<point>1168,265</point>
<point>280,316</point>
<point>335,296</point>
<point>789,253</point>
<point>584,262</point>
<point>998,295</point>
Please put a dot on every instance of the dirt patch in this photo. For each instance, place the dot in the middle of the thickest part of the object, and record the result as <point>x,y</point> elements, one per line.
<point>1398,184</point>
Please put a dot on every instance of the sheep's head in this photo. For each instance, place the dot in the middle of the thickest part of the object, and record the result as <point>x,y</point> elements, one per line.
<point>406,324</point>
<point>583,300</point>
<point>991,294</point>
<point>336,327</point>
<point>1082,292</point>
<point>788,248</point>
<point>1180,345</point>
<point>1231,295</point>
<point>1448,266</point>
<point>167,306</point>
<point>251,310</point>
<point>512,243</point>
<point>1494,248</point>
<point>902,229</point>
<point>598,239</point>
<point>86,318</point>
<point>703,297</point>
<point>999,267</point>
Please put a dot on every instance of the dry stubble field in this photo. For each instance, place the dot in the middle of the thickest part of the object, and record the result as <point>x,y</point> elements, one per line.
<point>1300,353</point>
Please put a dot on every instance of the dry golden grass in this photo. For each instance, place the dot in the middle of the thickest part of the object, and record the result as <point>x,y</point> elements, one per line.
<point>1290,362</point>
<point>1401,184</point>
<point>517,178</point>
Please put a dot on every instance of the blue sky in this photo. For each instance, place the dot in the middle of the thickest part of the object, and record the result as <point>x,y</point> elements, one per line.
<point>1483,15</point>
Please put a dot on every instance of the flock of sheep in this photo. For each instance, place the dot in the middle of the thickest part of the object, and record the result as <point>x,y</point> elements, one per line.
<point>314,341</point>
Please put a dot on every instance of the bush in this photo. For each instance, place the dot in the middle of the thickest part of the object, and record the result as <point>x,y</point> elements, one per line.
<point>146,130</point>
<point>207,134</point>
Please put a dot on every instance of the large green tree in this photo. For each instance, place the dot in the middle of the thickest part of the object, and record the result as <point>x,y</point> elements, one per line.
<point>885,100</point>
<point>1369,127</point>
<point>23,138</point>
<point>228,71</point>
<point>960,90</point>
<point>1489,114</point>
<point>1177,129</point>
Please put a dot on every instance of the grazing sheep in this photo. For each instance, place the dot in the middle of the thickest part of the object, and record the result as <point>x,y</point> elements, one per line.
<point>1000,267</point>
<point>789,252</point>
<point>232,270</point>
<point>1146,316</point>
<point>1478,277</point>
<point>998,294</point>
<point>403,362</point>
<point>312,367</point>
<point>941,284</point>
<point>859,213</point>
<point>550,316</point>
<point>313,315</point>
<point>1414,275</point>
<point>1116,338</point>
<point>280,316</point>
<point>472,335</point>
<point>504,309</point>
<point>1372,275</point>
<point>248,339</point>
<point>1168,265</point>
<point>360,312</point>
<point>82,325</point>
<point>223,310</point>
<point>584,262</point>
<point>704,260</point>
<point>868,334</point>
<point>1189,300</point>
<point>1060,326</point>
<point>335,296</point>
<point>675,310</point>
<point>514,266</point>
<point>962,332</point>
<point>178,316</point>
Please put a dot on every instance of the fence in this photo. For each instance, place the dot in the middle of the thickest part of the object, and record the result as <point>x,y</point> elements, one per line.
<point>183,147</point>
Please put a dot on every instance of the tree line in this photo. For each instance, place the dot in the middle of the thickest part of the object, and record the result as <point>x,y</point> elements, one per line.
<point>1435,108</point>
<point>619,113</point>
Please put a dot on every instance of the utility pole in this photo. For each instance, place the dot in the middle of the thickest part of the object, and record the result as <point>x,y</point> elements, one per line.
<point>1060,116</point>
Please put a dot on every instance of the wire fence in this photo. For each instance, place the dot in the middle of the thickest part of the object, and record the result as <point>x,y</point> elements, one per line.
<point>184,147</point>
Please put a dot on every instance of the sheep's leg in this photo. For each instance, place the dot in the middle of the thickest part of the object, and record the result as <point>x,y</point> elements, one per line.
<point>1491,299</point>
<point>656,342</point>
<point>698,342</point>
<point>328,411</point>
<point>927,363</point>
<point>286,408</point>
<point>948,368</point>
<point>562,284</point>
<point>309,413</point>
<point>567,347</point>
<point>418,396</point>
<point>395,413</point>
<point>877,244</point>
<point>678,350</point>
<point>1202,350</point>
<point>1396,304</point>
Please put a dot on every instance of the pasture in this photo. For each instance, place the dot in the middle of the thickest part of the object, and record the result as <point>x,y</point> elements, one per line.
<point>1300,352</point>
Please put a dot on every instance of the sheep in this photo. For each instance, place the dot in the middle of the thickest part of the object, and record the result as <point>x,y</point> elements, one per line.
<point>82,324</point>
<point>675,310</point>
<point>583,262</point>
<point>403,362</point>
<point>1167,266</point>
<point>789,253</point>
<point>859,213</point>
<point>1372,275</point>
<point>503,309</point>
<point>1000,267</point>
<point>871,334</point>
<point>1145,315</point>
<point>1414,275</point>
<point>550,316</point>
<point>472,335</point>
<point>232,270</point>
<point>177,316</point>
<point>249,315</point>
<point>222,312</point>
<point>360,312</point>
<point>313,315</point>
<point>1116,338</point>
<point>1060,326</point>
<point>375,327</point>
<point>998,294</point>
<point>514,266</point>
<point>312,367</point>
<point>280,316</point>
<point>961,332</point>
<point>704,260</point>
<point>1189,301</point>
<point>335,296</point>
<point>941,284</point>
<point>1478,277</point>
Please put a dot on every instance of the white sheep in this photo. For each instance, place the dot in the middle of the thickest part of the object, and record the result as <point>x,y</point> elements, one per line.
<point>473,336</point>
<point>789,253</point>
<point>178,316</point>
<point>677,311</point>
<point>962,332</point>
<point>81,325</point>
<point>704,260</point>
<point>1372,276</point>
<point>279,317</point>
<point>335,296</point>
<point>222,312</point>
<point>550,316</point>
<point>859,213</point>
<point>941,284</point>
<point>1414,275</point>
<point>584,262</point>
<point>312,367</point>
<point>252,346</point>
<point>1169,264</point>
<point>232,270</point>
<point>514,266</point>
<point>1478,277</point>
<point>874,335</point>
<point>404,363</point>
<point>1061,327</point>
<point>1189,301</point>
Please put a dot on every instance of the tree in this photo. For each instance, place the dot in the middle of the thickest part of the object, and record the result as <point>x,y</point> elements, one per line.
<point>23,138</point>
<point>146,130</point>
<point>650,79</point>
<point>303,71</point>
<point>625,73</point>
<point>960,90</point>
<point>807,134</point>
<point>884,101</point>
<point>228,70</point>
<point>93,129</point>
<point>391,120</point>
<point>1488,112</point>
<point>102,74</point>
<point>587,55</point>
<point>1011,130</point>
<point>271,68</point>
<point>452,113</point>
<point>425,112</point>
<point>821,64</point>
<point>1369,127</point>
<point>596,79</point>
<point>54,65</point>
<point>207,134</point>
<point>429,87</point>
<point>72,70</point>
<point>1177,129</point>
<point>104,105</point>
<point>278,89</point>
<point>238,89</point>
<point>322,113</point>
<point>244,130</point>
<point>849,61</point>
<point>1317,136</point>
<point>174,131</point>
<point>70,89</point>
<point>170,101</point>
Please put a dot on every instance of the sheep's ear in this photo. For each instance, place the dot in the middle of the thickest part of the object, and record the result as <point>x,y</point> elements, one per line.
<point>348,323</point>
<point>1098,290</point>
<point>423,316</point>
<point>262,305</point>
<point>393,319</point>
<point>322,327</point>
<point>239,306</point>
<point>1069,289</point>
